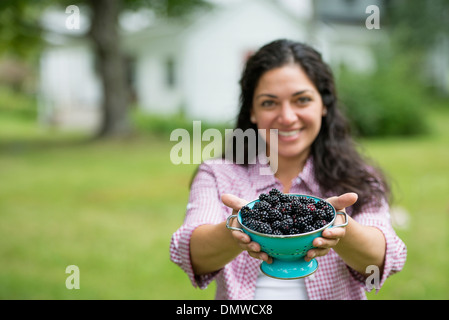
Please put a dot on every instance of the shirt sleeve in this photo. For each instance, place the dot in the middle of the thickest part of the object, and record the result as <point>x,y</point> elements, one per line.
<point>396,251</point>
<point>204,207</point>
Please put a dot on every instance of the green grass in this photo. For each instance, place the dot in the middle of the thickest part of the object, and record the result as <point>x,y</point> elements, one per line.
<point>419,170</point>
<point>110,208</point>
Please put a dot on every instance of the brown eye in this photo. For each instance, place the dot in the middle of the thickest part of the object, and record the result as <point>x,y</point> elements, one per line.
<point>267,103</point>
<point>303,100</point>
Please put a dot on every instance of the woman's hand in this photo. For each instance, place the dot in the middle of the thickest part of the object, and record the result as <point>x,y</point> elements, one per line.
<point>331,236</point>
<point>242,239</point>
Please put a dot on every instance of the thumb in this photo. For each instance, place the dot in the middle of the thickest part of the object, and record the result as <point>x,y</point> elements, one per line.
<point>233,202</point>
<point>343,201</point>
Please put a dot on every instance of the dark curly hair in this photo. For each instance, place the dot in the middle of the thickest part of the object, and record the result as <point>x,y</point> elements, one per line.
<point>339,167</point>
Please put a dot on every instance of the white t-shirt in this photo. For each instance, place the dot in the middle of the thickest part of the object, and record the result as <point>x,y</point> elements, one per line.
<point>268,288</point>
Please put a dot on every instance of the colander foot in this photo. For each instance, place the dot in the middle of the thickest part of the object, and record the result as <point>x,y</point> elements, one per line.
<point>288,270</point>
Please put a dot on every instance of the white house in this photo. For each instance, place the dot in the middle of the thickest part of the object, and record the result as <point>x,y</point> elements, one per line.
<point>194,65</point>
<point>69,88</point>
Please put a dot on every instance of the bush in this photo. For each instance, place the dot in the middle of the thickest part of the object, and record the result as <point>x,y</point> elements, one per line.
<point>384,103</point>
<point>17,104</point>
<point>165,124</point>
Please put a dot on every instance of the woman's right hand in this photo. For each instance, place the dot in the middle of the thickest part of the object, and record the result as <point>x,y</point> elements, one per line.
<point>242,239</point>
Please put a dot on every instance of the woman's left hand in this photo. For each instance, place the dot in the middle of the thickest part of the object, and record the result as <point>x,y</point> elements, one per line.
<point>331,236</point>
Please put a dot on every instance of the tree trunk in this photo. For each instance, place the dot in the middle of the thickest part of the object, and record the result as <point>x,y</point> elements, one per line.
<point>111,64</point>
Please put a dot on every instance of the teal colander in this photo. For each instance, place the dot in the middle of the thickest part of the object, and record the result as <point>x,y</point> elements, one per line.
<point>287,251</point>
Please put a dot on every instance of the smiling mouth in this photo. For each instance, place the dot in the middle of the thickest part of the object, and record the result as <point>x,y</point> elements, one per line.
<point>288,133</point>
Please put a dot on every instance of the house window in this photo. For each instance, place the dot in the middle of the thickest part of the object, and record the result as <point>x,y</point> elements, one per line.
<point>170,72</point>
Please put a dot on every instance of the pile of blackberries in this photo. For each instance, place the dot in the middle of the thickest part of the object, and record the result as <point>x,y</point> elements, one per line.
<point>277,213</point>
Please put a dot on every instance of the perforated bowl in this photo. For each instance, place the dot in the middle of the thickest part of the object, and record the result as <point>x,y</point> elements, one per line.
<point>287,251</point>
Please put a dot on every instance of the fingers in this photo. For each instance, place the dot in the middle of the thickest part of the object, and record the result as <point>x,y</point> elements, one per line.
<point>243,240</point>
<point>334,233</point>
<point>233,202</point>
<point>313,253</point>
<point>343,201</point>
<point>241,237</point>
<point>330,238</point>
<point>322,247</point>
<point>323,243</point>
<point>252,247</point>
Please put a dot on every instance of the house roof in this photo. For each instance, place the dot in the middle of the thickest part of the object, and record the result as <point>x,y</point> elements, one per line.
<point>166,27</point>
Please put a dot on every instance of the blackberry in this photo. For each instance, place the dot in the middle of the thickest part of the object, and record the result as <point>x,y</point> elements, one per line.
<point>284,198</point>
<point>311,207</point>
<point>264,197</point>
<point>286,225</point>
<point>294,230</point>
<point>264,228</point>
<point>274,192</point>
<point>281,214</point>
<point>275,214</point>
<point>262,205</point>
<point>320,214</point>
<point>284,207</point>
<point>276,224</point>
<point>319,224</point>
<point>302,209</point>
<point>309,201</point>
<point>250,223</point>
<point>320,204</point>
<point>299,222</point>
<point>245,212</point>
<point>329,213</point>
<point>264,216</point>
<point>296,205</point>
<point>308,219</point>
<point>273,200</point>
<point>307,228</point>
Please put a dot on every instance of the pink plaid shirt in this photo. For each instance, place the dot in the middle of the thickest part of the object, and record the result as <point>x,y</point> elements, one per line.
<point>237,280</point>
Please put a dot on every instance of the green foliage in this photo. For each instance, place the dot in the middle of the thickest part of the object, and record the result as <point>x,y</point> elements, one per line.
<point>17,104</point>
<point>168,8</point>
<point>393,100</point>
<point>385,103</point>
<point>20,30</point>
<point>164,125</point>
<point>417,26</point>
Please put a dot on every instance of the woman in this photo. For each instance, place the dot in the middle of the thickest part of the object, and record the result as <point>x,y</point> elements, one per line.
<point>287,86</point>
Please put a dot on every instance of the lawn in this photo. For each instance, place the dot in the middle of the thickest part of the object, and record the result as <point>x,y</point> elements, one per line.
<point>110,208</point>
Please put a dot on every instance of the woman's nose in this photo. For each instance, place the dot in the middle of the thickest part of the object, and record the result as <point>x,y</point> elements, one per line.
<point>287,115</point>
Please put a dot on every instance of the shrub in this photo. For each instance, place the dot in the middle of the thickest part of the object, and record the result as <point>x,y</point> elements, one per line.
<point>384,103</point>
<point>17,104</point>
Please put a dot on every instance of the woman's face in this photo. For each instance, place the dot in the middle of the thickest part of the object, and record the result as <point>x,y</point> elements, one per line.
<point>287,100</point>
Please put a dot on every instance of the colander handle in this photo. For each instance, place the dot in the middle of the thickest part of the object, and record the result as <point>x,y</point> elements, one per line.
<point>343,224</point>
<point>228,220</point>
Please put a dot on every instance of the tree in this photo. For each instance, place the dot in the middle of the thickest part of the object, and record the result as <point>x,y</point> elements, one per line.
<point>105,35</point>
<point>19,25</point>
<point>419,29</point>
<point>417,25</point>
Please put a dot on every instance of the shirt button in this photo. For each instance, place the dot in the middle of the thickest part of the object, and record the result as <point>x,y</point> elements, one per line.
<point>298,180</point>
